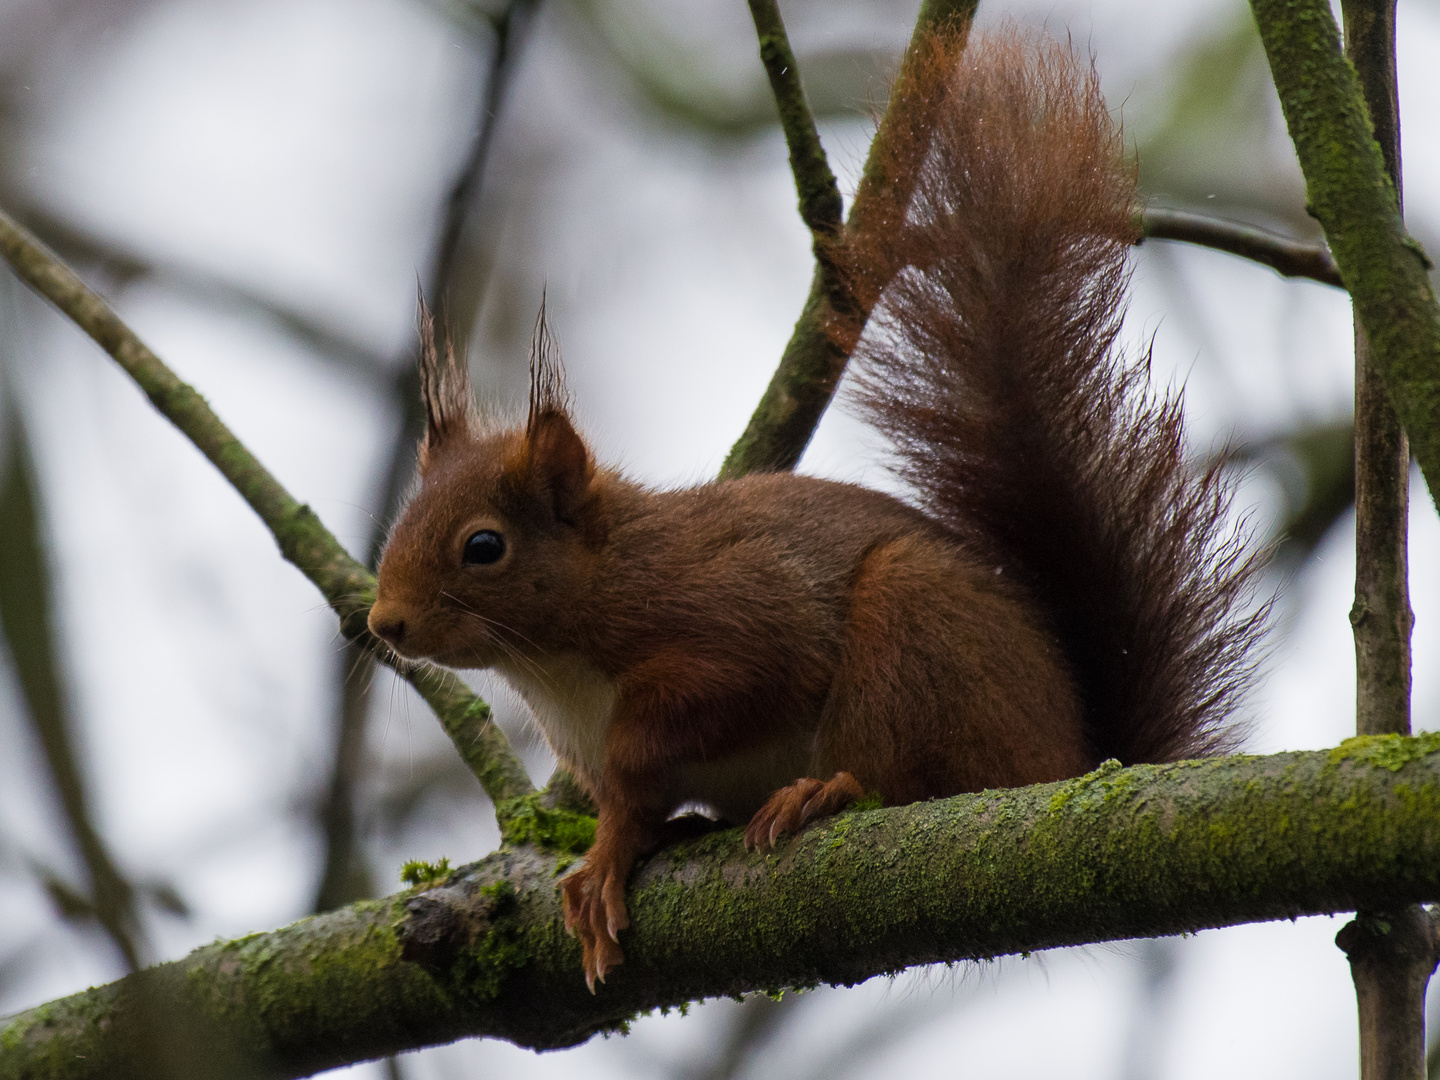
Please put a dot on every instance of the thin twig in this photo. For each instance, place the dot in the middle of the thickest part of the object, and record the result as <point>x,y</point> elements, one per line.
<point>1290,258</point>
<point>812,363</point>
<point>510,27</point>
<point>821,207</point>
<point>346,874</point>
<point>124,265</point>
<point>344,868</point>
<point>304,541</point>
<point>1381,615</point>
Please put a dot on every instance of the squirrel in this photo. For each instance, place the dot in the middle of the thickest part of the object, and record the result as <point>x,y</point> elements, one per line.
<point>1062,588</point>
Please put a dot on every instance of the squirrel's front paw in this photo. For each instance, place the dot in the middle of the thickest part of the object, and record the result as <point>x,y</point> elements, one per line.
<point>594,902</point>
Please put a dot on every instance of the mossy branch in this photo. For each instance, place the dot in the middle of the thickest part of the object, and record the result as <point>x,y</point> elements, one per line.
<point>820,203</point>
<point>303,540</point>
<point>1287,257</point>
<point>812,363</point>
<point>1349,192</point>
<point>1120,853</point>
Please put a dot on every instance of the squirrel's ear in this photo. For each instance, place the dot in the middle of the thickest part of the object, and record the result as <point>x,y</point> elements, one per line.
<point>560,462</point>
<point>444,389</point>
<point>559,458</point>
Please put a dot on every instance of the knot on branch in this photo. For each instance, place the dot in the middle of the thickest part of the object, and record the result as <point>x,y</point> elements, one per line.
<point>1405,937</point>
<point>443,923</point>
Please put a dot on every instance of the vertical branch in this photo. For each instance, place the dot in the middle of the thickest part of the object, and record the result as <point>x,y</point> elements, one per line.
<point>510,27</point>
<point>1391,954</point>
<point>346,876</point>
<point>1381,616</point>
<point>1391,959</point>
<point>812,363</point>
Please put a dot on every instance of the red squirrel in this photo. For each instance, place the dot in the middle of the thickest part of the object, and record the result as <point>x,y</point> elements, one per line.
<point>1061,589</point>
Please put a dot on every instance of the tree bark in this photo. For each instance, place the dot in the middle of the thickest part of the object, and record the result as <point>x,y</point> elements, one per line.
<point>1386,270</point>
<point>1121,852</point>
<point>1391,959</point>
<point>1392,953</point>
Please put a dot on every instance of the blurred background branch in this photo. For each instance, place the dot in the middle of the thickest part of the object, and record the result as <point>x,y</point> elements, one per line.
<point>346,876</point>
<point>29,626</point>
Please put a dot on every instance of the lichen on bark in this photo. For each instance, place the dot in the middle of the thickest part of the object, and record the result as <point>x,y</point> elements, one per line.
<point>1349,192</point>
<point>1121,852</point>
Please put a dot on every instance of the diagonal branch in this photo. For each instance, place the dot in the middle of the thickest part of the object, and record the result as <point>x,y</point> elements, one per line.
<point>1290,258</point>
<point>812,363</point>
<point>304,541</point>
<point>1121,852</point>
<point>820,203</point>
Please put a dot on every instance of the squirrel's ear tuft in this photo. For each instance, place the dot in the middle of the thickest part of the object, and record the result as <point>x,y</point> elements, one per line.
<point>558,457</point>
<point>444,389</point>
<point>547,374</point>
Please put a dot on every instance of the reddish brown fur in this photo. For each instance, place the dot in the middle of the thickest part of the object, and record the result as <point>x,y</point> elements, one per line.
<point>990,362</point>
<point>732,641</point>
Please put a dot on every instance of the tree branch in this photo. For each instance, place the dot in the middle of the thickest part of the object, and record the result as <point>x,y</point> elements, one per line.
<point>510,27</point>
<point>1121,852</point>
<point>1290,258</point>
<point>820,203</point>
<point>28,627</point>
<point>812,363</point>
<point>1349,192</point>
<point>1392,952</point>
<point>304,541</point>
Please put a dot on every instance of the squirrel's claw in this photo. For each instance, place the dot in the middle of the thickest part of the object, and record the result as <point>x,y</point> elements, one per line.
<point>791,807</point>
<point>593,899</point>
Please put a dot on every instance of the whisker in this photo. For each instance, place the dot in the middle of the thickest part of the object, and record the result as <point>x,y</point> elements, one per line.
<point>468,610</point>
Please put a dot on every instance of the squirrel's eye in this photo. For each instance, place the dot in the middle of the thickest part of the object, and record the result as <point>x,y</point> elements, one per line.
<point>484,548</point>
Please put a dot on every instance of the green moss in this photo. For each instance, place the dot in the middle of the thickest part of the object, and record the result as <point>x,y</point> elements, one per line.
<point>423,874</point>
<point>1391,752</point>
<point>482,972</point>
<point>525,820</point>
<point>1101,779</point>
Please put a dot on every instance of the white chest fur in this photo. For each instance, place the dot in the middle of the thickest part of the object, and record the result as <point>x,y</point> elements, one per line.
<point>573,703</point>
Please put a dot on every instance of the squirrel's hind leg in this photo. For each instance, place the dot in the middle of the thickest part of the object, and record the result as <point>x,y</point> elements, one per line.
<point>948,681</point>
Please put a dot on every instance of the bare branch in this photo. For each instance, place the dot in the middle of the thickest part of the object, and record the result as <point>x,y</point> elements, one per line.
<point>25,616</point>
<point>1290,258</point>
<point>345,876</point>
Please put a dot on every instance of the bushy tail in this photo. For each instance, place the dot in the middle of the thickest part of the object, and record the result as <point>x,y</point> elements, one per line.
<point>998,289</point>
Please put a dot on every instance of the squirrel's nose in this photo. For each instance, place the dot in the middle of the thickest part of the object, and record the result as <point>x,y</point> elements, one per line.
<point>385,626</point>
